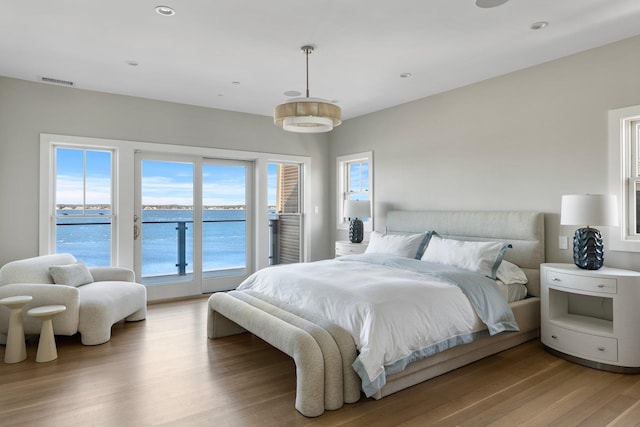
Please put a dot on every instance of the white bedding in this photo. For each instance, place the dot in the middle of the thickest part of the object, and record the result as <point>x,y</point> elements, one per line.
<point>384,309</point>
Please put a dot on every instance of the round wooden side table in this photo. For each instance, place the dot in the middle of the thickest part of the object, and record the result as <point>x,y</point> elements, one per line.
<point>16,349</point>
<point>47,344</point>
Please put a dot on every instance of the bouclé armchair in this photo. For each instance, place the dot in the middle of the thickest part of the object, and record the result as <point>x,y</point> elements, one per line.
<point>110,295</point>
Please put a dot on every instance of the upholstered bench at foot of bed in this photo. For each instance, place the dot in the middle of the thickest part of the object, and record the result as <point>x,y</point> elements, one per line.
<point>350,380</point>
<point>290,339</point>
<point>333,390</point>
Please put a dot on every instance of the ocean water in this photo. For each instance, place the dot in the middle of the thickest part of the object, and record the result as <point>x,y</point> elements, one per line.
<point>224,239</point>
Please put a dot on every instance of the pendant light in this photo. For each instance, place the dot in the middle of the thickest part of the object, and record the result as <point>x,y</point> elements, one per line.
<point>307,115</point>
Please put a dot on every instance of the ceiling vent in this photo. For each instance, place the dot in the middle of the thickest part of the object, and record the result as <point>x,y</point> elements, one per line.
<point>57,81</point>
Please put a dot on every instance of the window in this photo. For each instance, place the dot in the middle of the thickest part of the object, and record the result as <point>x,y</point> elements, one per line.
<point>624,179</point>
<point>83,204</point>
<point>355,182</point>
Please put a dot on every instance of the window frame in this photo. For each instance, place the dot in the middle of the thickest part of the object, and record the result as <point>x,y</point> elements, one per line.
<point>342,164</point>
<point>48,184</point>
<point>113,181</point>
<point>624,175</point>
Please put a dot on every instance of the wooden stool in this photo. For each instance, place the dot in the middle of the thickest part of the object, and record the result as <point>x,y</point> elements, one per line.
<point>47,343</point>
<point>16,350</point>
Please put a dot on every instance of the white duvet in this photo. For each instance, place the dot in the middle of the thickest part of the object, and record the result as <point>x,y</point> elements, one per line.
<point>395,316</point>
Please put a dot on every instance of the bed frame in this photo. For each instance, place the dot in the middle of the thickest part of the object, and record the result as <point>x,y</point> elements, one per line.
<point>323,352</point>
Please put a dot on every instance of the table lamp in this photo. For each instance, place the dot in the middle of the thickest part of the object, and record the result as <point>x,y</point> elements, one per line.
<point>355,209</point>
<point>587,210</point>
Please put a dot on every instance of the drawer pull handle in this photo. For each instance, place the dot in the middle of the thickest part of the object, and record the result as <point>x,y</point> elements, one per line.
<point>555,279</point>
<point>555,337</point>
<point>601,285</point>
<point>601,348</point>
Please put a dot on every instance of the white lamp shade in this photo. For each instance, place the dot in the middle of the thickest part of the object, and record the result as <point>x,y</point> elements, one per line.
<point>589,209</point>
<point>357,209</point>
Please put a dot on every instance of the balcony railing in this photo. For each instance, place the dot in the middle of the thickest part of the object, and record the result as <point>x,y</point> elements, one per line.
<point>182,235</point>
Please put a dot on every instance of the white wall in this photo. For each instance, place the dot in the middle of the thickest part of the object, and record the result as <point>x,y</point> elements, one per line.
<point>28,109</point>
<point>517,142</point>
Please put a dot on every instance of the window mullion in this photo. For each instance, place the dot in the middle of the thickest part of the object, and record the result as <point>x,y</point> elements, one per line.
<point>84,182</point>
<point>633,181</point>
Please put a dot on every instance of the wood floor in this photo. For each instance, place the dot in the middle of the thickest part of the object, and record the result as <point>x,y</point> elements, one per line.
<point>164,371</point>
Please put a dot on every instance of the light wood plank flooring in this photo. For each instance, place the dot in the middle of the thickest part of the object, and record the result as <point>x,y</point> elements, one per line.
<point>164,371</point>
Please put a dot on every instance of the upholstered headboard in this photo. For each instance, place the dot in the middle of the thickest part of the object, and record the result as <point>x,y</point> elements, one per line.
<point>523,230</point>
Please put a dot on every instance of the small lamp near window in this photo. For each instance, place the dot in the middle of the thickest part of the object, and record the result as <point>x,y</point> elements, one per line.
<point>354,210</point>
<point>589,209</point>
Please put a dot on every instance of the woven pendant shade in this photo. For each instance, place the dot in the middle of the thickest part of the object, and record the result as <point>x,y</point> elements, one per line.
<point>307,115</point>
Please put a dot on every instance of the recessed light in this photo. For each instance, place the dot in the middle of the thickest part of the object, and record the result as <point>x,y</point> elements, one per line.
<point>292,93</point>
<point>486,4</point>
<point>165,10</point>
<point>539,25</point>
<point>405,75</point>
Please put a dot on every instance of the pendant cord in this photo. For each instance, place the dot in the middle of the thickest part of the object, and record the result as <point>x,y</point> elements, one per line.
<point>307,53</point>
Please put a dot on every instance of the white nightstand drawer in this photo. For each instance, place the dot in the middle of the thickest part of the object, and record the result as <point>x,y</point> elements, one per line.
<point>349,250</point>
<point>584,283</point>
<point>345,247</point>
<point>581,344</point>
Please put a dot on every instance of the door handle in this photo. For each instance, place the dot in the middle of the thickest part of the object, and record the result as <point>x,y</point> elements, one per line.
<point>136,228</point>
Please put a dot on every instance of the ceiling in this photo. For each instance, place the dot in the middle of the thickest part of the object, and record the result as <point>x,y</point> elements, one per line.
<point>243,55</point>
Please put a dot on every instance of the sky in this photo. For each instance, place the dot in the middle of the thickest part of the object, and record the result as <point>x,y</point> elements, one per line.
<point>163,182</point>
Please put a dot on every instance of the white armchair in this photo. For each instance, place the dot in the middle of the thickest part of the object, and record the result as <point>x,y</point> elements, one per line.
<point>92,308</point>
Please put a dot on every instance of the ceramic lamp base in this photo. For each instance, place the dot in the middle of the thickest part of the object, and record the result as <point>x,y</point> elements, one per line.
<point>356,231</point>
<point>588,249</point>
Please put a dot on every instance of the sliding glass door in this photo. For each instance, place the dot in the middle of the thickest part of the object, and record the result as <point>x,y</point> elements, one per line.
<point>191,226</point>
<point>226,223</point>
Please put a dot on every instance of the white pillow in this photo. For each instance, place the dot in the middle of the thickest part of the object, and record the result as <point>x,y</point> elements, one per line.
<point>481,257</point>
<point>512,293</point>
<point>510,274</point>
<point>76,274</point>
<point>395,244</point>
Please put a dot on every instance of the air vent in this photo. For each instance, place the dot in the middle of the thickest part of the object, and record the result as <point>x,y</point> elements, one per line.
<point>57,81</point>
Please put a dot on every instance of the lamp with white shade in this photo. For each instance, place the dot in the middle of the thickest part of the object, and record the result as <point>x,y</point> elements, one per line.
<point>354,210</point>
<point>588,210</point>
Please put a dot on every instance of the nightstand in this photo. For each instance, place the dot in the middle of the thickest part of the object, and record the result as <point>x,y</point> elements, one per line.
<point>345,247</point>
<point>591,317</point>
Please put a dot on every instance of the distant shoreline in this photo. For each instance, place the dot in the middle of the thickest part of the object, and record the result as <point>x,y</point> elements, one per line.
<point>153,207</point>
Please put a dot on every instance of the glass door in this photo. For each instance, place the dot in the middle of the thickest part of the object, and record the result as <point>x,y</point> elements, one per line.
<point>164,226</point>
<point>192,224</point>
<point>226,223</point>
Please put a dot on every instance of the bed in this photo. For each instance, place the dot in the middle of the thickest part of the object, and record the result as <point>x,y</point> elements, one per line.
<point>325,349</point>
